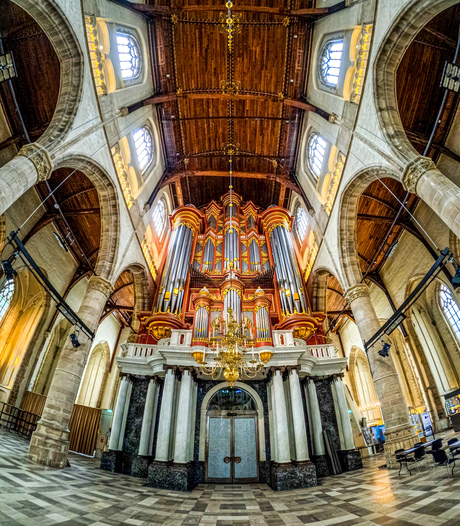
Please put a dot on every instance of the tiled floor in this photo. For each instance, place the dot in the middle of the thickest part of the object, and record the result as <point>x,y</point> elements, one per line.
<point>33,495</point>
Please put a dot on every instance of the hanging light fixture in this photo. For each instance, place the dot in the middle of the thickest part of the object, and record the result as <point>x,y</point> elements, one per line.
<point>232,353</point>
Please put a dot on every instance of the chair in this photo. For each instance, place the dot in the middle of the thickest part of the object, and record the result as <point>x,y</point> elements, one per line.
<point>419,455</point>
<point>440,459</point>
<point>454,452</point>
<point>437,444</point>
<point>400,458</point>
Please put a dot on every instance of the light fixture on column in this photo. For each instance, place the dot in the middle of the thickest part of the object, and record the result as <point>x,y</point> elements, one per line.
<point>74,338</point>
<point>385,350</point>
<point>8,269</point>
<point>7,67</point>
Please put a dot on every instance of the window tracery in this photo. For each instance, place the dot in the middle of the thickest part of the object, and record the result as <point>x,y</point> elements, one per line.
<point>6,295</point>
<point>316,149</point>
<point>159,218</point>
<point>301,223</point>
<point>331,59</point>
<point>451,310</point>
<point>143,143</point>
<point>129,55</point>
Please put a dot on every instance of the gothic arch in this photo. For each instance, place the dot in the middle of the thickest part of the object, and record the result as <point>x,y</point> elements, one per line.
<point>141,286</point>
<point>349,201</point>
<point>395,43</point>
<point>110,212</point>
<point>94,380</point>
<point>319,289</point>
<point>60,33</point>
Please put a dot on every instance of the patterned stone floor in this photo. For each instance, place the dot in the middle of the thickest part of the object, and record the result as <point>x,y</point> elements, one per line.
<point>32,495</point>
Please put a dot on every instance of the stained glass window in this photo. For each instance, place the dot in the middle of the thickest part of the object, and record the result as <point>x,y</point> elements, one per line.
<point>5,297</point>
<point>159,218</point>
<point>301,223</point>
<point>316,151</point>
<point>451,310</point>
<point>330,62</point>
<point>144,146</point>
<point>129,56</point>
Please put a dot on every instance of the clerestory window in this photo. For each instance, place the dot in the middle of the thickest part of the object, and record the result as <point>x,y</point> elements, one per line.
<point>159,218</point>
<point>331,59</point>
<point>5,297</point>
<point>316,149</point>
<point>143,143</point>
<point>129,55</point>
<point>301,224</point>
<point>451,310</point>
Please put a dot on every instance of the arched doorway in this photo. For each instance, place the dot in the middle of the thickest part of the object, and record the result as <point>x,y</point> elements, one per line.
<point>231,437</point>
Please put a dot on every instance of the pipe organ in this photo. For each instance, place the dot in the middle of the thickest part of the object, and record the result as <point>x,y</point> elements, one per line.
<point>231,255</point>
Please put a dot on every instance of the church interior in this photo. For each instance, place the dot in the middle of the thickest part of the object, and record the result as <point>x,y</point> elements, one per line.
<point>230,262</point>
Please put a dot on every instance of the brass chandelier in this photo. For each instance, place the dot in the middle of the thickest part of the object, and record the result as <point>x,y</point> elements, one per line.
<point>232,353</point>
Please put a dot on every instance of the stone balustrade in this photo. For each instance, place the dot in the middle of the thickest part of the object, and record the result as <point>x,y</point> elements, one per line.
<point>323,351</point>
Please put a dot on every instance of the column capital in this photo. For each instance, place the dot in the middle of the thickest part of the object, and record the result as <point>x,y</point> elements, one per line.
<point>293,368</point>
<point>40,158</point>
<point>414,170</point>
<point>355,292</point>
<point>101,285</point>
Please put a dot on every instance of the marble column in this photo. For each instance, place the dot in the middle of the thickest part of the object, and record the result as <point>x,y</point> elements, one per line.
<point>399,432</point>
<point>422,177</point>
<point>181,444</point>
<point>148,419</point>
<point>298,417</point>
<point>166,413</point>
<point>315,416</point>
<point>119,415</point>
<point>281,420</point>
<point>49,444</point>
<point>342,406</point>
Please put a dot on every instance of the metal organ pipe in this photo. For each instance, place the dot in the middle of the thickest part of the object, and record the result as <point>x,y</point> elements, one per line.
<point>182,275</point>
<point>289,254</point>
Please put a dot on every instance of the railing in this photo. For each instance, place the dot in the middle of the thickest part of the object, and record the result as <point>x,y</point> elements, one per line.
<point>138,350</point>
<point>17,420</point>
<point>323,351</point>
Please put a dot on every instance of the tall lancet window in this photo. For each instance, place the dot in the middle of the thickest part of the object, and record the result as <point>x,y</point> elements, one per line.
<point>451,310</point>
<point>301,224</point>
<point>316,150</point>
<point>129,55</point>
<point>144,147</point>
<point>5,297</point>
<point>331,59</point>
<point>159,218</point>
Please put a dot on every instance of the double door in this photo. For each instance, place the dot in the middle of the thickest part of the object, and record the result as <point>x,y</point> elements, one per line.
<point>231,453</point>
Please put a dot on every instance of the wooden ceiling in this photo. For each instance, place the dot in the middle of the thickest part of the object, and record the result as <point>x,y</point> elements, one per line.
<point>418,82</point>
<point>38,73</point>
<point>268,64</point>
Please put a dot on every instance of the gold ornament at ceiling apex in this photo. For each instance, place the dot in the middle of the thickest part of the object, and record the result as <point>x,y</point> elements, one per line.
<point>230,88</point>
<point>230,24</point>
<point>231,149</point>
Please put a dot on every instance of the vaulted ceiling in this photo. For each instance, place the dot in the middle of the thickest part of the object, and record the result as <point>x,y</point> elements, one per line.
<point>248,100</point>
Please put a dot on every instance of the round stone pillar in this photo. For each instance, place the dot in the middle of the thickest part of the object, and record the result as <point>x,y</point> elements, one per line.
<point>116,440</point>
<point>422,177</point>
<point>298,417</point>
<point>315,415</point>
<point>31,165</point>
<point>399,432</point>
<point>281,421</point>
<point>164,424</point>
<point>181,449</point>
<point>49,444</point>
<point>342,406</point>
<point>148,420</point>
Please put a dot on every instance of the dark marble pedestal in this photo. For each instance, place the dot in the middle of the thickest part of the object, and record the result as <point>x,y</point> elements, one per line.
<point>167,475</point>
<point>322,467</point>
<point>112,461</point>
<point>350,460</point>
<point>140,466</point>
<point>293,475</point>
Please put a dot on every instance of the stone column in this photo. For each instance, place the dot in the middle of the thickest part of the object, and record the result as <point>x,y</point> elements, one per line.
<point>183,418</point>
<point>31,165</point>
<point>298,417</point>
<point>421,177</point>
<point>49,444</point>
<point>281,421</point>
<point>166,411</point>
<point>399,432</point>
<point>119,416</point>
<point>148,420</point>
<point>315,415</point>
<point>342,406</point>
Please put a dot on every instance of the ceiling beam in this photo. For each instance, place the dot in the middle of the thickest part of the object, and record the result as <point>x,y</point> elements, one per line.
<point>236,175</point>
<point>155,10</point>
<point>377,200</point>
<point>171,97</point>
<point>225,117</point>
<point>381,219</point>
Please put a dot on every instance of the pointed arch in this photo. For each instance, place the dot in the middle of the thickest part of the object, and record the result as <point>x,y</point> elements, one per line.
<point>109,207</point>
<point>412,18</point>
<point>58,29</point>
<point>94,380</point>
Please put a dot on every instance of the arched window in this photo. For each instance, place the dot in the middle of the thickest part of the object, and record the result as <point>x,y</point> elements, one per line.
<point>451,310</point>
<point>129,55</point>
<point>316,149</point>
<point>159,218</point>
<point>5,297</point>
<point>331,58</point>
<point>144,147</point>
<point>301,223</point>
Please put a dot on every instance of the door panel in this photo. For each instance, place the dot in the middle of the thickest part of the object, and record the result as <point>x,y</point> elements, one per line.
<point>219,448</point>
<point>245,448</point>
